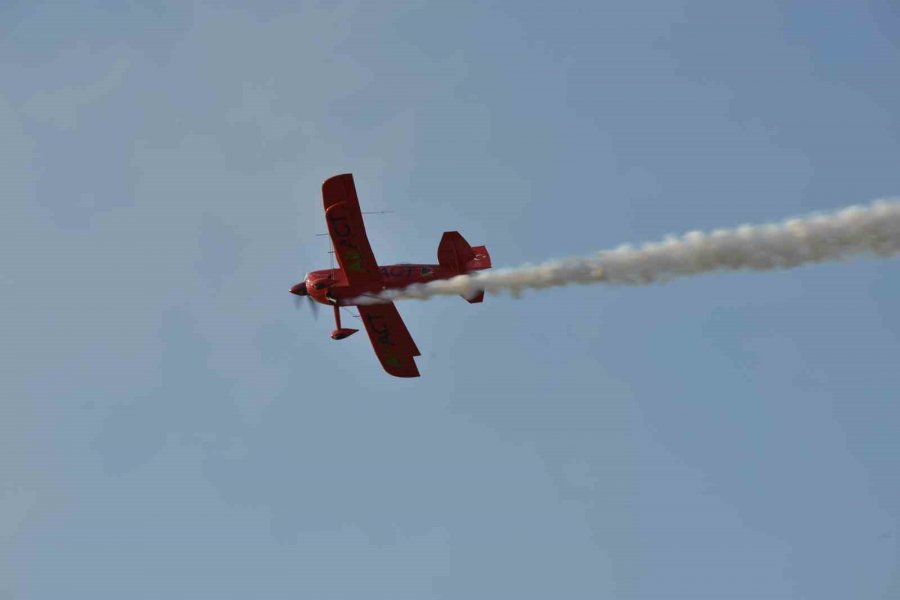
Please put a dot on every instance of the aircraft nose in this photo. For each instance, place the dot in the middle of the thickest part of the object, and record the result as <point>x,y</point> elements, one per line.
<point>300,289</point>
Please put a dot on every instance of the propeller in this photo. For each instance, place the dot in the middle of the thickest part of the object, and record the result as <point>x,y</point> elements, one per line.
<point>300,290</point>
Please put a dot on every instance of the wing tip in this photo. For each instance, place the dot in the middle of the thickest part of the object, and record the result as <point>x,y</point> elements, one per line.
<point>400,366</point>
<point>338,187</point>
<point>405,375</point>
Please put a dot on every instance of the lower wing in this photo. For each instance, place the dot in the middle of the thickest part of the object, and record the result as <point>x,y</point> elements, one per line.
<point>393,345</point>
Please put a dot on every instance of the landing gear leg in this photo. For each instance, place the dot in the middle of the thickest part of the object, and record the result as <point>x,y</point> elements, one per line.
<point>340,333</point>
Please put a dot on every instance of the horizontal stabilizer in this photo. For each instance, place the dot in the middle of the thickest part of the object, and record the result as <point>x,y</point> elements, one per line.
<point>475,298</point>
<point>481,260</point>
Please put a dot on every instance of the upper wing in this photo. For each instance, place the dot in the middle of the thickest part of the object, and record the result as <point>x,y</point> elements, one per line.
<point>348,233</point>
<point>390,338</point>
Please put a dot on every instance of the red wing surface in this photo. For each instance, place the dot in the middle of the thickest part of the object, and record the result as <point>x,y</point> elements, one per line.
<point>348,233</point>
<point>340,188</point>
<point>390,338</point>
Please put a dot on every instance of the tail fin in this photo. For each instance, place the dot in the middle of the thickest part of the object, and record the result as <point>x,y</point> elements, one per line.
<point>455,253</point>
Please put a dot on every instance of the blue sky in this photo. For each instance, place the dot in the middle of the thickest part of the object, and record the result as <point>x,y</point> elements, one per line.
<point>172,427</point>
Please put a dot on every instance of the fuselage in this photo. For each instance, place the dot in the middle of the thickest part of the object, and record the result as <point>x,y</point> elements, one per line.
<point>329,286</point>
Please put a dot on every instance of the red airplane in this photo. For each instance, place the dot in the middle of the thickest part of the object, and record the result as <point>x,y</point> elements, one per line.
<point>359,275</point>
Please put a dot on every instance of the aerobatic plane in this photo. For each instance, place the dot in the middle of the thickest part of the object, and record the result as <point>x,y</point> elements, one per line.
<point>359,275</point>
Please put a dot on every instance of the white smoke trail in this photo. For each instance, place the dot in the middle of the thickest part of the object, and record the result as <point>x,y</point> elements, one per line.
<point>871,229</point>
